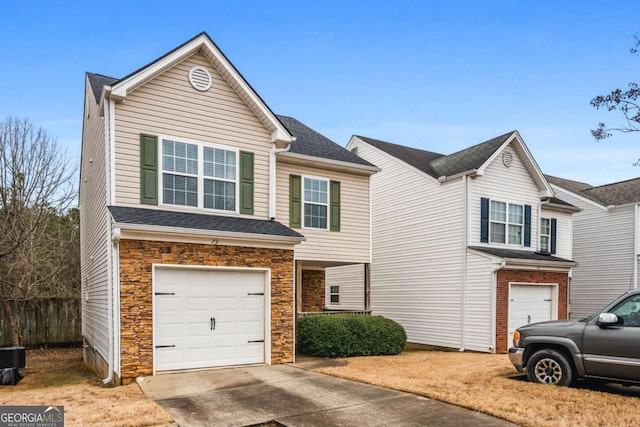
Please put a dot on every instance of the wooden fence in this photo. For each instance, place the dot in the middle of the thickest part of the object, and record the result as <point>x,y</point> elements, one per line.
<point>47,321</point>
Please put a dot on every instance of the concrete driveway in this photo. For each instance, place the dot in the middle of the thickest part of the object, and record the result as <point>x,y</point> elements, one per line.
<point>292,396</point>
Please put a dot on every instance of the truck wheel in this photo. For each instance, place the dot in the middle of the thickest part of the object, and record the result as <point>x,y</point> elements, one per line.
<point>549,367</point>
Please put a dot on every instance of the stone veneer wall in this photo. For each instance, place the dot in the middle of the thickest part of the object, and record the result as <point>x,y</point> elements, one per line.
<point>313,296</point>
<point>524,276</point>
<point>136,322</point>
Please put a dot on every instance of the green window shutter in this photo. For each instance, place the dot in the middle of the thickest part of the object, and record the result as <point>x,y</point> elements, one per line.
<point>246,183</point>
<point>148,169</point>
<point>295,201</point>
<point>334,206</point>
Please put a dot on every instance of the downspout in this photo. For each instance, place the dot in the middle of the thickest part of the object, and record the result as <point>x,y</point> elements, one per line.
<point>635,247</point>
<point>494,293</point>
<point>272,179</point>
<point>465,191</point>
<point>108,160</point>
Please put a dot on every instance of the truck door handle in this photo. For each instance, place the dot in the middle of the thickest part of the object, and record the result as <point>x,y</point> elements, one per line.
<point>213,323</point>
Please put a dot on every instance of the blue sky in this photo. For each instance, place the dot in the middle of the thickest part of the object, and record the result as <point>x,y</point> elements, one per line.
<point>440,76</point>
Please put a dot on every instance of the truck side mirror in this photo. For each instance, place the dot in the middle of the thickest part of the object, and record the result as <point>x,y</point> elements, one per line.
<point>609,319</point>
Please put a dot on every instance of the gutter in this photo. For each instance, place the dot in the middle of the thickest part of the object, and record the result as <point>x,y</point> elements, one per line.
<point>471,172</point>
<point>213,234</point>
<point>337,164</point>
<point>111,319</point>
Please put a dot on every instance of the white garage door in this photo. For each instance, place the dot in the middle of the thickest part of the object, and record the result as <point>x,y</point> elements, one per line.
<point>207,318</point>
<point>529,304</point>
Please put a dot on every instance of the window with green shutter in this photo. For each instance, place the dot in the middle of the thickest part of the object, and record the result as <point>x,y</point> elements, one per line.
<point>295,201</point>
<point>148,169</point>
<point>246,183</point>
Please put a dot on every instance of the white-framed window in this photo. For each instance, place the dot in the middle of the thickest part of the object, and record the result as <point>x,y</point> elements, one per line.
<point>334,294</point>
<point>199,175</point>
<point>545,235</point>
<point>315,197</point>
<point>506,222</point>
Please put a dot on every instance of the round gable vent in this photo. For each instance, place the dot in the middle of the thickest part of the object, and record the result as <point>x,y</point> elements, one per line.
<point>507,158</point>
<point>200,78</point>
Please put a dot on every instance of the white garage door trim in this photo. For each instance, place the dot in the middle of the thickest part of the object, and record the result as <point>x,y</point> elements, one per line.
<point>267,300</point>
<point>554,305</point>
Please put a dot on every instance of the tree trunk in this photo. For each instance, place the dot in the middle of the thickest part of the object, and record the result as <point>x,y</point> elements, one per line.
<point>13,326</point>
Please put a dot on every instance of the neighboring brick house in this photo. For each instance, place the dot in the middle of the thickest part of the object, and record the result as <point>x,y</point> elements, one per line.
<point>606,241</point>
<point>205,217</point>
<point>466,246</point>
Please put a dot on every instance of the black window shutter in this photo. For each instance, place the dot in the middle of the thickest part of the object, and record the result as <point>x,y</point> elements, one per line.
<point>148,169</point>
<point>484,220</point>
<point>527,225</point>
<point>554,226</point>
<point>295,201</point>
<point>246,183</point>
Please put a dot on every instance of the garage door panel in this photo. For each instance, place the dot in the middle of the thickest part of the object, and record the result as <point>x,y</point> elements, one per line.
<point>184,319</point>
<point>529,304</point>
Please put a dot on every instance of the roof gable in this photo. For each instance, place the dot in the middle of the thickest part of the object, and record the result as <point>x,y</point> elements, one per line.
<point>118,89</point>
<point>470,161</point>
<point>617,193</point>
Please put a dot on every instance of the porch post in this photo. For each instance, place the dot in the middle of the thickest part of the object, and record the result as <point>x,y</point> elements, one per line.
<point>298,268</point>
<point>367,287</point>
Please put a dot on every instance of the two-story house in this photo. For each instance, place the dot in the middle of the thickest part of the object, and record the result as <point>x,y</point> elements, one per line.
<point>205,218</point>
<point>606,241</point>
<point>466,246</point>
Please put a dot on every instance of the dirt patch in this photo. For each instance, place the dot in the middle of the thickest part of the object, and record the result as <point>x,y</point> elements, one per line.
<point>58,377</point>
<point>486,383</point>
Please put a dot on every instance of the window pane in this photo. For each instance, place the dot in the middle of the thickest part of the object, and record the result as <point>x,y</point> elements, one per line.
<point>545,226</point>
<point>179,190</point>
<point>315,190</point>
<point>516,215</point>
<point>219,163</point>
<point>179,157</point>
<point>219,195</point>
<point>497,232</point>
<point>544,243</point>
<point>498,211</point>
<point>515,234</point>
<point>315,216</point>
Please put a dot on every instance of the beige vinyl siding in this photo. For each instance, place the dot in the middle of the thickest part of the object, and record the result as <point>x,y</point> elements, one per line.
<point>479,303</point>
<point>505,184</point>
<point>564,232</point>
<point>349,245</point>
<point>169,106</point>
<point>94,226</point>
<point>350,278</point>
<point>416,270</point>
<point>603,246</point>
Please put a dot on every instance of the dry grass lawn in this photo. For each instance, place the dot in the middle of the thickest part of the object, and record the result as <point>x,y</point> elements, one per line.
<point>58,377</point>
<point>486,383</point>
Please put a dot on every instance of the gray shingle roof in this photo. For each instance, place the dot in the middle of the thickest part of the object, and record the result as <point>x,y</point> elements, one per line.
<point>197,221</point>
<point>97,82</point>
<point>517,254</point>
<point>617,193</point>
<point>438,165</point>
<point>311,143</point>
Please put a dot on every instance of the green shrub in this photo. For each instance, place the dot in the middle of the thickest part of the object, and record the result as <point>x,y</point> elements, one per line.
<point>345,335</point>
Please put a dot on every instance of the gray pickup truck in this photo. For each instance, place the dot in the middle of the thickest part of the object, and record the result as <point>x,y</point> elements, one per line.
<point>605,346</point>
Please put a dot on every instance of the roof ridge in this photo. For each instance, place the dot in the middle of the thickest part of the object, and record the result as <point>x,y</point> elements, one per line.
<point>398,145</point>
<point>479,144</point>
<point>612,183</point>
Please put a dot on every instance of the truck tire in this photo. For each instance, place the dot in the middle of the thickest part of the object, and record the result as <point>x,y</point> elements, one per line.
<point>549,367</point>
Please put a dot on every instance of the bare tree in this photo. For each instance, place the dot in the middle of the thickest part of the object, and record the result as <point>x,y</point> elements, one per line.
<point>36,189</point>
<point>627,101</point>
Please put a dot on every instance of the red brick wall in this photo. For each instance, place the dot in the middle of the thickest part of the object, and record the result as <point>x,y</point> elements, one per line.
<point>524,276</point>
<point>136,323</point>
<point>313,296</point>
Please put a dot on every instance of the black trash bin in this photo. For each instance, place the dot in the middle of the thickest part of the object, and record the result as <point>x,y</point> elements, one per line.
<point>12,357</point>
